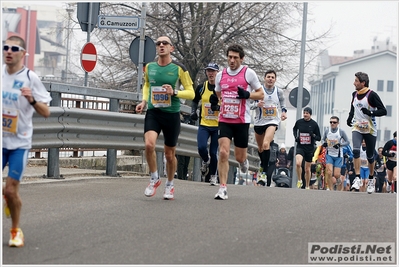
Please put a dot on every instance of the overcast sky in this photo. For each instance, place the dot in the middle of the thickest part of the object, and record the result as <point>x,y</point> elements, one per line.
<point>355,23</point>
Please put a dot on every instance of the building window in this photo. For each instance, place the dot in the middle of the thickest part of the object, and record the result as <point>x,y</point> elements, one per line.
<point>390,86</point>
<point>380,85</point>
<point>389,111</point>
<point>387,135</point>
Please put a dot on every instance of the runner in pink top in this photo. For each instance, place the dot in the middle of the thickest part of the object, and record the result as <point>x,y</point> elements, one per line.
<point>235,86</point>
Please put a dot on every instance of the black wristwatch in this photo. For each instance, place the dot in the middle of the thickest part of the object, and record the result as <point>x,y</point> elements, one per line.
<point>33,102</point>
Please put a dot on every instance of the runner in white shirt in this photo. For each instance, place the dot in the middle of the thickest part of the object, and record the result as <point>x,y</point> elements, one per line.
<point>23,93</point>
<point>268,118</point>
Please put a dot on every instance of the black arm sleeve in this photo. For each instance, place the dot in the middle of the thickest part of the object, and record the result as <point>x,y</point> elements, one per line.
<point>194,107</point>
<point>386,148</point>
<point>294,130</point>
<point>376,102</point>
<point>352,109</point>
<point>197,96</point>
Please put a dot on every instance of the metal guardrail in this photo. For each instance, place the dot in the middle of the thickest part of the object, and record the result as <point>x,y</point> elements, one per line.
<point>85,128</point>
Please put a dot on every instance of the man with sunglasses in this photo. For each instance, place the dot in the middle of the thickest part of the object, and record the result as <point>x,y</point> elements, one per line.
<point>162,81</point>
<point>334,140</point>
<point>366,105</point>
<point>23,94</point>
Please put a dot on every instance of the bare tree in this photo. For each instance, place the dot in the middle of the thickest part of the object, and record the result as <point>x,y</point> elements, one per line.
<point>201,33</point>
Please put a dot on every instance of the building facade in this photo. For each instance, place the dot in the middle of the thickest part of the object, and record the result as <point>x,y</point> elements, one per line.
<point>45,30</point>
<point>332,87</point>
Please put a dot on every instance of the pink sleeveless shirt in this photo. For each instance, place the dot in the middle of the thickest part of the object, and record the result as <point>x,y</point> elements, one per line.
<point>233,110</point>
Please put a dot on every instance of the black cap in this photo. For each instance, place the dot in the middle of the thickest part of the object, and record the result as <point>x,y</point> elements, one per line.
<point>212,66</point>
<point>308,110</point>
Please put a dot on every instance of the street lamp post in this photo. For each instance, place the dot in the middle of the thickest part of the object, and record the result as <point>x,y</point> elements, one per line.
<point>69,10</point>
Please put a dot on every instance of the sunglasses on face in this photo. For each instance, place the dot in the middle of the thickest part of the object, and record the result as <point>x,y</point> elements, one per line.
<point>162,42</point>
<point>333,122</point>
<point>14,48</point>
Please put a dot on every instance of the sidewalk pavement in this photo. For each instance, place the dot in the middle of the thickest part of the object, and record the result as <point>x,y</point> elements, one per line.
<point>39,173</point>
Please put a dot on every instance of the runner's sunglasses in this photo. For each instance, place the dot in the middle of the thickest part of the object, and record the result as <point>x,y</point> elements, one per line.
<point>162,42</point>
<point>14,48</point>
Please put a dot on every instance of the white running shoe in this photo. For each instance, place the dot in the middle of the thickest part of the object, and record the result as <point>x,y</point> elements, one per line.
<point>151,189</point>
<point>370,186</point>
<point>213,180</point>
<point>222,193</point>
<point>16,238</point>
<point>244,166</point>
<point>169,192</point>
<point>356,184</point>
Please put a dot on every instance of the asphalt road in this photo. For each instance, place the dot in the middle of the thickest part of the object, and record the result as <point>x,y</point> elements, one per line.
<point>110,221</point>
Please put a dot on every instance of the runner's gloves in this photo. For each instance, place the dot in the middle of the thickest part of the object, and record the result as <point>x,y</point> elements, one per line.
<point>337,146</point>
<point>349,120</point>
<point>366,111</point>
<point>242,93</point>
<point>194,116</point>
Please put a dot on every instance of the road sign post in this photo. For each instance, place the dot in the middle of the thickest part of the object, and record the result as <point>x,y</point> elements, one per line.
<point>88,57</point>
<point>300,94</point>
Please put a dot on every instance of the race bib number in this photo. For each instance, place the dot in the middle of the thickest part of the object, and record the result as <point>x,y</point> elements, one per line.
<point>364,163</point>
<point>10,120</point>
<point>159,97</point>
<point>231,108</point>
<point>209,113</point>
<point>332,142</point>
<point>363,126</point>
<point>269,112</point>
<point>305,139</point>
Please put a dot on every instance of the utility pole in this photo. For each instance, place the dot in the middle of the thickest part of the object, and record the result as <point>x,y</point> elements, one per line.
<point>300,86</point>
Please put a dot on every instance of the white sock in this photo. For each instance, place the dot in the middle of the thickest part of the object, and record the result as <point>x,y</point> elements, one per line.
<point>154,175</point>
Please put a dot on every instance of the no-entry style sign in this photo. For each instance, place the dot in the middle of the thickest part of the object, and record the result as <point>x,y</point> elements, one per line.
<point>88,57</point>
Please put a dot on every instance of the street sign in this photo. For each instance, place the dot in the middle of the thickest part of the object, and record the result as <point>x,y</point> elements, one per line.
<point>118,22</point>
<point>83,15</point>
<point>293,97</point>
<point>88,57</point>
<point>149,50</point>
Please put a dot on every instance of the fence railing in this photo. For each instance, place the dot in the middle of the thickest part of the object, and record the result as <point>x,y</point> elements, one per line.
<point>86,128</point>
